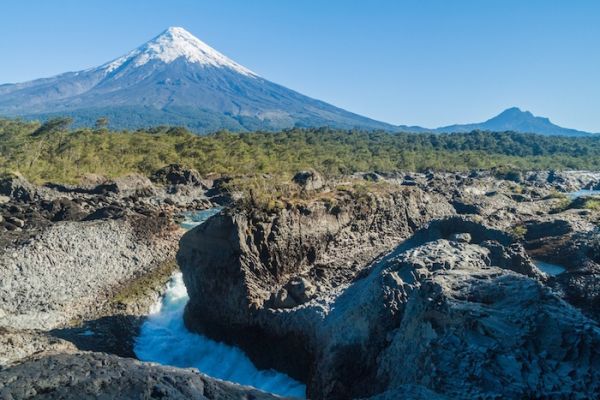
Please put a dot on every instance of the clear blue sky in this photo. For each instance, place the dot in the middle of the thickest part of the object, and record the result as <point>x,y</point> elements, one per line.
<point>419,62</point>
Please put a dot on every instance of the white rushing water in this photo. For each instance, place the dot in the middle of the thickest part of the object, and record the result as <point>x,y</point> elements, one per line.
<point>164,339</point>
<point>550,269</point>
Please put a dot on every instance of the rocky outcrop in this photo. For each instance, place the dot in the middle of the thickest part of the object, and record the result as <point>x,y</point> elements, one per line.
<point>71,270</point>
<point>571,240</point>
<point>175,174</point>
<point>17,187</point>
<point>282,260</point>
<point>458,309</point>
<point>85,265</point>
<point>543,229</point>
<point>447,319</point>
<point>579,254</point>
<point>128,185</point>
<point>66,253</point>
<point>564,181</point>
<point>19,345</point>
<point>185,186</point>
<point>387,286</point>
<point>96,375</point>
<point>309,180</point>
<point>503,248</point>
<point>79,268</point>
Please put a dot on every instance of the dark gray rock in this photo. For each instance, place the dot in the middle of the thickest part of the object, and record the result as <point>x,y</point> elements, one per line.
<point>450,318</point>
<point>579,254</point>
<point>481,331</point>
<point>541,229</point>
<point>19,345</point>
<point>372,177</point>
<point>461,237</point>
<point>175,174</point>
<point>282,299</point>
<point>110,212</point>
<point>412,392</point>
<point>300,289</point>
<point>465,208</point>
<point>18,222</point>
<point>593,185</point>
<point>309,180</point>
<point>102,376</point>
<point>128,185</point>
<point>63,209</point>
<point>445,228</point>
<point>251,257</point>
<point>17,188</point>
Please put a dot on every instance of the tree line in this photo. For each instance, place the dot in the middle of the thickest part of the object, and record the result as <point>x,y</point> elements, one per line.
<point>51,151</point>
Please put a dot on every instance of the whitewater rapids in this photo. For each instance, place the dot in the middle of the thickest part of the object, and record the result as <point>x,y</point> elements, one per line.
<point>164,339</point>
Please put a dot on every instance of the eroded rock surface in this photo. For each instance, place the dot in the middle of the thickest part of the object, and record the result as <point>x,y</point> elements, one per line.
<point>70,270</point>
<point>458,309</point>
<point>309,180</point>
<point>267,263</point>
<point>83,263</point>
<point>19,345</point>
<point>442,316</point>
<point>97,375</point>
<point>404,286</point>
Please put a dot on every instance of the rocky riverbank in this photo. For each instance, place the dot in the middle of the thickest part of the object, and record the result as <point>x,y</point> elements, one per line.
<point>456,308</point>
<point>366,286</point>
<point>75,254</point>
<point>80,267</point>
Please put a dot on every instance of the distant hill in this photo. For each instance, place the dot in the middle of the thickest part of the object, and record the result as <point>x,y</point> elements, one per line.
<point>514,119</point>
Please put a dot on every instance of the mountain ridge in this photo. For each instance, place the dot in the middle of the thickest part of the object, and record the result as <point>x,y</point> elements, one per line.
<point>171,72</point>
<point>177,79</point>
<point>515,119</point>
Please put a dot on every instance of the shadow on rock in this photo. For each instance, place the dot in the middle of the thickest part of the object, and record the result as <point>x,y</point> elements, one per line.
<point>113,334</point>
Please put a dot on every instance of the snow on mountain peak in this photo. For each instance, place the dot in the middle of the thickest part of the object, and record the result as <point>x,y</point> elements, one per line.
<point>175,43</point>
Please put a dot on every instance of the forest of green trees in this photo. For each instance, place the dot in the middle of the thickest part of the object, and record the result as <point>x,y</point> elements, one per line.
<point>53,152</point>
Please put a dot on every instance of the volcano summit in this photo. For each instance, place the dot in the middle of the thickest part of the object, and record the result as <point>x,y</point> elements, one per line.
<point>175,79</point>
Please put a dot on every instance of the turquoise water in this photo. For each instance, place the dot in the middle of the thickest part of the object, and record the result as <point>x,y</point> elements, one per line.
<point>192,219</point>
<point>580,193</point>
<point>165,339</point>
<point>550,269</point>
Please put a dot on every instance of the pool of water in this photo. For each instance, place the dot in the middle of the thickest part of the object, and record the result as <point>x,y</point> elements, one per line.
<point>192,219</point>
<point>581,193</point>
<point>164,339</point>
<point>550,269</point>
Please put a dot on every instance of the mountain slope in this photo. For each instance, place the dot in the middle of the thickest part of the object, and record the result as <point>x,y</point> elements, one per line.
<point>175,78</point>
<point>513,119</point>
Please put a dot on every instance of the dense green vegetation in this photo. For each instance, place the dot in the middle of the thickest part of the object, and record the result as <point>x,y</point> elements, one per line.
<point>131,117</point>
<point>52,152</point>
<point>592,204</point>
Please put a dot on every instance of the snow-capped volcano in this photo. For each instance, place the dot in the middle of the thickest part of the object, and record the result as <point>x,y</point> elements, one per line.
<point>175,79</point>
<point>176,43</point>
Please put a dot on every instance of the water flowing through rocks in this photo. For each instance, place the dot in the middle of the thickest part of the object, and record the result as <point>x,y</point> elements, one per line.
<point>164,339</point>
